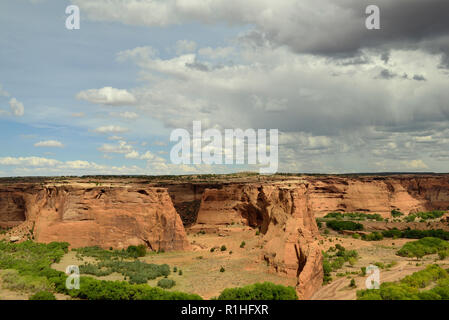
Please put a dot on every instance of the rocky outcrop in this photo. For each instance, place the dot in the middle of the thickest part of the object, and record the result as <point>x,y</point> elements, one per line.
<point>290,233</point>
<point>105,216</point>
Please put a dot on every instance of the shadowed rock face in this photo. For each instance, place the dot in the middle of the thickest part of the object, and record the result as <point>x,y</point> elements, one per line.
<point>107,217</point>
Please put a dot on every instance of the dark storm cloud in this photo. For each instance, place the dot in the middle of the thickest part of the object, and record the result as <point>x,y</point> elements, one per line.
<point>405,24</point>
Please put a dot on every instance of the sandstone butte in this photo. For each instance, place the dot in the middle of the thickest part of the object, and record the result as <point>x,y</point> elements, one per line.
<point>284,208</point>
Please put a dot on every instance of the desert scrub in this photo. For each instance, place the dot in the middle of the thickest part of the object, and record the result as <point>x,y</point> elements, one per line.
<point>42,295</point>
<point>223,248</point>
<point>335,258</point>
<point>137,271</point>
<point>166,283</point>
<point>242,244</point>
<point>12,280</point>
<point>259,291</point>
<point>34,259</point>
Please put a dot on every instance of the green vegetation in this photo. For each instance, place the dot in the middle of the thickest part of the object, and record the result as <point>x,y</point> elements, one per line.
<point>43,295</point>
<point>396,213</point>
<point>352,284</point>
<point>335,258</point>
<point>374,236</point>
<point>223,248</point>
<point>354,216</point>
<point>242,245</point>
<point>222,269</point>
<point>435,214</point>
<point>31,261</point>
<point>339,225</point>
<point>98,253</point>
<point>423,247</point>
<point>411,287</point>
<point>259,291</point>
<point>166,283</point>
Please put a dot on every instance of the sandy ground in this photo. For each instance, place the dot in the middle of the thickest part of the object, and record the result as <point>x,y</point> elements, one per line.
<point>201,268</point>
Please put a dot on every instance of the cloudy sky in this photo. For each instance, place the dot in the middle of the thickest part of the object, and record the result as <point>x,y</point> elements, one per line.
<point>104,99</point>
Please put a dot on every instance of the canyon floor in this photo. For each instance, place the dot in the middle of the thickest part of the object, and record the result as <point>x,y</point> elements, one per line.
<point>183,218</point>
<point>201,267</point>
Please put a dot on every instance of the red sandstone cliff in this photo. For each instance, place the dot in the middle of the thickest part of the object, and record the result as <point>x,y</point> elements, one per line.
<point>283,217</point>
<point>105,216</point>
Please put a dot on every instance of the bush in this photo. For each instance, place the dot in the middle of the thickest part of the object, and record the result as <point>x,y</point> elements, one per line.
<point>430,214</point>
<point>223,248</point>
<point>222,269</point>
<point>43,295</point>
<point>374,236</point>
<point>416,234</point>
<point>396,213</point>
<point>166,283</point>
<point>259,291</point>
<point>423,247</point>
<point>180,272</point>
<point>344,225</point>
<point>242,245</point>
<point>137,251</point>
<point>352,284</point>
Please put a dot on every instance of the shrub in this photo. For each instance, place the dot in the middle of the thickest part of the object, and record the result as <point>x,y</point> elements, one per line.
<point>363,270</point>
<point>344,225</point>
<point>137,251</point>
<point>423,247</point>
<point>396,213</point>
<point>43,295</point>
<point>352,284</point>
<point>242,245</point>
<point>259,291</point>
<point>166,283</point>
<point>175,269</point>
<point>212,249</point>
<point>374,236</point>
<point>222,269</point>
<point>223,248</point>
<point>180,272</point>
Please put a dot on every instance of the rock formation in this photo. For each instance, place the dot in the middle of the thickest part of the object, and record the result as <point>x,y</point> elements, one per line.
<point>105,216</point>
<point>290,233</point>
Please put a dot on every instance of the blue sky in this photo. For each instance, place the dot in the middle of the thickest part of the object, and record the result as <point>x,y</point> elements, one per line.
<point>104,99</point>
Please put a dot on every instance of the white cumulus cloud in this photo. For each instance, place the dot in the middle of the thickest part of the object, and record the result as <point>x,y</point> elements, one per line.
<point>107,96</point>
<point>49,144</point>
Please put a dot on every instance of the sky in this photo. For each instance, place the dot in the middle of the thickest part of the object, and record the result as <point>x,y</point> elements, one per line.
<point>104,99</point>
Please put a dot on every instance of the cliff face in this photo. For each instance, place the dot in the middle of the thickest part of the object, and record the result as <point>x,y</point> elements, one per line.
<point>290,233</point>
<point>377,194</point>
<point>108,217</point>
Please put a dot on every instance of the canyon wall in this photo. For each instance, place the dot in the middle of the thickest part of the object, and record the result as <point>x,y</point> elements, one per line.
<point>104,216</point>
<point>290,233</point>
